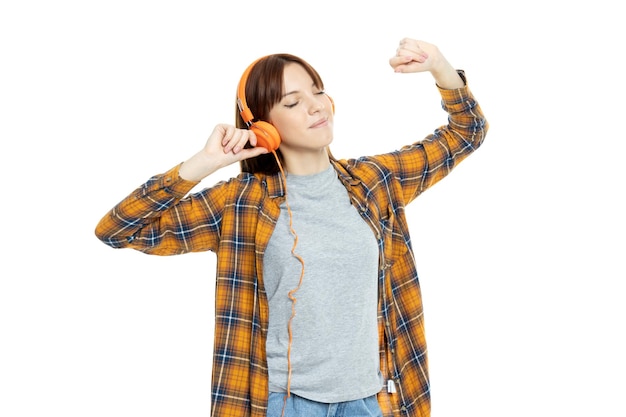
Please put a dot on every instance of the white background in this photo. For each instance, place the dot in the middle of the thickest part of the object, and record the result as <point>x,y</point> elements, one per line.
<point>520,250</point>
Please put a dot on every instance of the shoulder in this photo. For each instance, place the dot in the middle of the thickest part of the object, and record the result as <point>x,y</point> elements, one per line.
<point>248,188</point>
<point>367,169</point>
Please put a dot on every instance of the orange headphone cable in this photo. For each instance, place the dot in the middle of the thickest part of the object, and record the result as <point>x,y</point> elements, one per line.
<point>291,293</point>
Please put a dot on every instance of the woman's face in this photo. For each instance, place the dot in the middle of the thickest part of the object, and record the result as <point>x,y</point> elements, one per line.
<point>304,115</point>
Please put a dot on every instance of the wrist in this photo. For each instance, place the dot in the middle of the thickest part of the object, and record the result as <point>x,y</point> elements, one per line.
<point>449,79</point>
<point>197,167</point>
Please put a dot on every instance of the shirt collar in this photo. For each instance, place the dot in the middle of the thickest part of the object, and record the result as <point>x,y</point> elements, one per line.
<point>276,187</point>
<point>274,184</point>
<point>344,175</point>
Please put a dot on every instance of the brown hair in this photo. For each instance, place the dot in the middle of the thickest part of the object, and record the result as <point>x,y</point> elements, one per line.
<point>264,88</point>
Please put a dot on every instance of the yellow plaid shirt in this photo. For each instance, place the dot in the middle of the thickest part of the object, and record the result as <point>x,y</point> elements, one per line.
<point>236,218</point>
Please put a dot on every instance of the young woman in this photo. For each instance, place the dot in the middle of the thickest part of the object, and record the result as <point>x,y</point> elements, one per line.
<point>318,306</point>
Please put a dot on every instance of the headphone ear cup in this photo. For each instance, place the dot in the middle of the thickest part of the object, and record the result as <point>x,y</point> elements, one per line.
<point>266,135</point>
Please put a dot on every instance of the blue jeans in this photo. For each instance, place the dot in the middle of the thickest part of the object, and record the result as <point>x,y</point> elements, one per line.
<point>301,407</point>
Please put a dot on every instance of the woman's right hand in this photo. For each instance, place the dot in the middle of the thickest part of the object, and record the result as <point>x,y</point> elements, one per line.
<point>225,146</point>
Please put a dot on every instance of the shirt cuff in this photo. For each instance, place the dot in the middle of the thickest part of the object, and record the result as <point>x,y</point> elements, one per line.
<point>454,100</point>
<point>175,184</point>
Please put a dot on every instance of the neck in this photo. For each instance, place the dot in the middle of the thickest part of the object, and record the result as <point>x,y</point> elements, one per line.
<point>306,163</point>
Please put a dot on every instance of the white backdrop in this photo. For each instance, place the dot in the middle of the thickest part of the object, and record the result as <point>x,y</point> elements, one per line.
<point>520,250</point>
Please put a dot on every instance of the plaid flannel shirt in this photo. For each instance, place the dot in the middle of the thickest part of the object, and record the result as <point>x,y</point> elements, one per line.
<point>236,218</point>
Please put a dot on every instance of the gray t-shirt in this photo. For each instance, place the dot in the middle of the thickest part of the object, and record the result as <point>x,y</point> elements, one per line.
<point>335,352</point>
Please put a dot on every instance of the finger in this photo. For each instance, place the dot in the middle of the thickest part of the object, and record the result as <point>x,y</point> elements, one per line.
<point>399,61</point>
<point>415,52</point>
<point>252,138</point>
<point>227,134</point>
<point>411,47</point>
<point>252,152</point>
<point>394,61</point>
<point>238,140</point>
<point>227,140</point>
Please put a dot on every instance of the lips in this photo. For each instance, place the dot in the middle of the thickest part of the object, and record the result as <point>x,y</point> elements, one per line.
<point>319,123</point>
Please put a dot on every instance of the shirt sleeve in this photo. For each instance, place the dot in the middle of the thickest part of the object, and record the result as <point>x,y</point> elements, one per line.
<point>158,219</point>
<point>422,164</point>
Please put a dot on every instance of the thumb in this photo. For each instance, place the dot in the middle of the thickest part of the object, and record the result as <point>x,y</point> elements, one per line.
<point>248,153</point>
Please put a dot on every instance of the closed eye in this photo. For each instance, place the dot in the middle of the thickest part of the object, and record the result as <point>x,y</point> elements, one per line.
<point>292,105</point>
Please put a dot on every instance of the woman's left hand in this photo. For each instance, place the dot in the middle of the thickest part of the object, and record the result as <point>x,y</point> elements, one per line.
<point>418,56</point>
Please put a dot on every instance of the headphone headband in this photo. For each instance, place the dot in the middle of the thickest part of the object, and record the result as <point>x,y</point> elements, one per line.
<point>244,110</point>
<point>266,135</point>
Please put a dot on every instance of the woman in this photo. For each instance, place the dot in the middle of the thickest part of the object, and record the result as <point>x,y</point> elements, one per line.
<point>318,306</point>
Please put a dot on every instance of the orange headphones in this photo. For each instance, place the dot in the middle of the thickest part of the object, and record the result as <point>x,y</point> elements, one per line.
<point>266,134</point>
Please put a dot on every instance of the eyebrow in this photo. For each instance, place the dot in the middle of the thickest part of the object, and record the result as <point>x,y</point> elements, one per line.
<point>297,91</point>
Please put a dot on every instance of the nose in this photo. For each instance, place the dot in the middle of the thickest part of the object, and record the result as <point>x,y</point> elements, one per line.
<point>318,103</point>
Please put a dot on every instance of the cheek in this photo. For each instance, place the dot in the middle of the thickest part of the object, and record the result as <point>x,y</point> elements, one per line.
<point>277,119</point>
<point>284,125</point>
